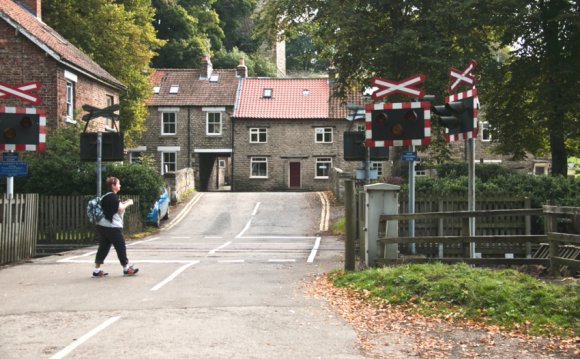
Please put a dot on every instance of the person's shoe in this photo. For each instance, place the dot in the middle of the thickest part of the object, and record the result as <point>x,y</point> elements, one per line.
<point>99,273</point>
<point>130,271</point>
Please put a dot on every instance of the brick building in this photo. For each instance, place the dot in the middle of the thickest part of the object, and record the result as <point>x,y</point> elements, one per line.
<point>288,135</point>
<point>189,122</point>
<point>30,51</point>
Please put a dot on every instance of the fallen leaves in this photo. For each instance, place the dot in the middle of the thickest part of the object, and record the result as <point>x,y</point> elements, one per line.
<point>389,331</point>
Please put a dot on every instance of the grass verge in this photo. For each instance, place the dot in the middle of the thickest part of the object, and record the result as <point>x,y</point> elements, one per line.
<point>506,298</point>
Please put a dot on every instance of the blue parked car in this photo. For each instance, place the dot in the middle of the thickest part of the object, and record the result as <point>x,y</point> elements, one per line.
<point>160,209</point>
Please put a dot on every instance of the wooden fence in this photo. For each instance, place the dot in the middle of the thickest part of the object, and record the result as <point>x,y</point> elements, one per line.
<point>63,223</point>
<point>35,225</point>
<point>18,228</point>
<point>556,240</point>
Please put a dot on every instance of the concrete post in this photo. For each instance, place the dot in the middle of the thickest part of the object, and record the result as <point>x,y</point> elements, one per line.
<point>381,198</point>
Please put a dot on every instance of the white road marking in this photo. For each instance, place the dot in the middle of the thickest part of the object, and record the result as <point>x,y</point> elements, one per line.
<point>232,261</point>
<point>84,338</point>
<point>183,213</point>
<point>281,260</point>
<point>220,247</point>
<point>314,250</point>
<point>256,209</point>
<point>143,241</point>
<point>173,275</point>
<point>245,228</point>
<point>324,214</point>
<point>213,237</point>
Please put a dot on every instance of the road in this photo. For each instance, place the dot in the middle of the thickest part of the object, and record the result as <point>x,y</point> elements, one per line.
<point>224,279</point>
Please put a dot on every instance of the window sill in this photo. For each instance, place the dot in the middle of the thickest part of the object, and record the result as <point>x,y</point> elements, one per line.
<point>259,177</point>
<point>321,178</point>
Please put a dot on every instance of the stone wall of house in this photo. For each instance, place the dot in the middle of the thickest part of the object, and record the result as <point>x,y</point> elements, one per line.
<point>288,141</point>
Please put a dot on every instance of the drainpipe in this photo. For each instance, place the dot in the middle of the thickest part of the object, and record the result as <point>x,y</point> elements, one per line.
<point>189,137</point>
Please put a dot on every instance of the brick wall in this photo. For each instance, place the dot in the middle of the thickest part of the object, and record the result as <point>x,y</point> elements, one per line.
<point>22,61</point>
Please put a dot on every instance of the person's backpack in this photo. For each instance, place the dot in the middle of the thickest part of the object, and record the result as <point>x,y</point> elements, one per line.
<point>94,210</point>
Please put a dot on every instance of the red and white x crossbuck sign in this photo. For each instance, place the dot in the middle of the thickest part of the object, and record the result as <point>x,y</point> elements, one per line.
<point>21,92</point>
<point>458,77</point>
<point>387,87</point>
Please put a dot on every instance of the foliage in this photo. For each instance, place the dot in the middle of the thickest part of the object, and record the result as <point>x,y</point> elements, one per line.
<point>59,171</point>
<point>119,36</point>
<point>186,42</point>
<point>258,64</point>
<point>501,297</point>
<point>496,179</point>
<point>138,179</point>
<point>529,96</point>
<point>338,226</point>
<point>236,23</point>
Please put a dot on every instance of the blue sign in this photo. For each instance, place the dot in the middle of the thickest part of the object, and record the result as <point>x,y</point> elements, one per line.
<point>10,156</point>
<point>13,169</point>
<point>409,156</point>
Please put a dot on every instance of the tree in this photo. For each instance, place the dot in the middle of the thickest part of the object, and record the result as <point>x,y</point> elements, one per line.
<point>258,64</point>
<point>237,25</point>
<point>537,84</point>
<point>119,36</point>
<point>534,102</point>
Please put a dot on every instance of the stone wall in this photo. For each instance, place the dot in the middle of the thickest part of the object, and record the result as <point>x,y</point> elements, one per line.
<point>179,182</point>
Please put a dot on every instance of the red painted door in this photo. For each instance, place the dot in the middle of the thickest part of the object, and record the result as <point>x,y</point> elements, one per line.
<point>294,175</point>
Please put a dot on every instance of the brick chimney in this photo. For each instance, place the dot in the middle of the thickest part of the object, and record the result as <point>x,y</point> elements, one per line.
<point>34,6</point>
<point>242,69</point>
<point>206,67</point>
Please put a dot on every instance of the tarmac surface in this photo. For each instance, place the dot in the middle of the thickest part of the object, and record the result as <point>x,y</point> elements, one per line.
<point>224,278</point>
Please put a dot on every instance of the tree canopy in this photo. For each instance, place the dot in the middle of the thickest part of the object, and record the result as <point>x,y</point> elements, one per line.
<point>393,39</point>
<point>119,36</point>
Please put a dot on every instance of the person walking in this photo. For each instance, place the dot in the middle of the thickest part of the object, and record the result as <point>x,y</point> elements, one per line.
<point>110,229</point>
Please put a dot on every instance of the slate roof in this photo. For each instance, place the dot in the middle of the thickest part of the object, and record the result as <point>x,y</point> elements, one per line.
<point>292,98</point>
<point>193,91</point>
<point>54,44</point>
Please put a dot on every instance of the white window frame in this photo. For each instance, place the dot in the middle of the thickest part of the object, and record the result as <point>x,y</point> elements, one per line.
<point>318,165</point>
<point>379,166</point>
<point>258,161</point>
<point>135,156</point>
<point>323,134</point>
<point>70,101</point>
<point>219,123</point>
<point>167,121</point>
<point>256,134</point>
<point>171,165</point>
<point>485,128</point>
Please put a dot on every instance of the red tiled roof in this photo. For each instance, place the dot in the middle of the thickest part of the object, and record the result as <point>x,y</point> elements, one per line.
<point>193,91</point>
<point>291,98</point>
<point>52,43</point>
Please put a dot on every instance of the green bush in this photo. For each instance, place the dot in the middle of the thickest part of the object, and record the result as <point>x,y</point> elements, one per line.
<point>497,179</point>
<point>59,171</point>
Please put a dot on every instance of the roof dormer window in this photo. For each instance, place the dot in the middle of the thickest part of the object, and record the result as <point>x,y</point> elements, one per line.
<point>174,89</point>
<point>267,93</point>
<point>306,92</point>
<point>214,78</point>
<point>156,89</point>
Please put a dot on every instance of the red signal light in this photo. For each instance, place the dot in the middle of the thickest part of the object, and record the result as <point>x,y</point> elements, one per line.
<point>9,133</point>
<point>26,122</point>
<point>397,130</point>
<point>410,116</point>
<point>382,118</point>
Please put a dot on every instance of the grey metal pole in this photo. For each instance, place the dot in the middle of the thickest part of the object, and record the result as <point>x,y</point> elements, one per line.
<point>471,192</point>
<point>99,159</point>
<point>412,199</point>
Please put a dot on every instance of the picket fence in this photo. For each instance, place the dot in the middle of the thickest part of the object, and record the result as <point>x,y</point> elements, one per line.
<point>18,228</point>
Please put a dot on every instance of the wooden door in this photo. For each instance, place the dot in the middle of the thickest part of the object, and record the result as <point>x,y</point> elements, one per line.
<point>294,175</point>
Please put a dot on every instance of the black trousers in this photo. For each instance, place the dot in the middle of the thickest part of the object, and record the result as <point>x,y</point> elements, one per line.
<point>111,236</point>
